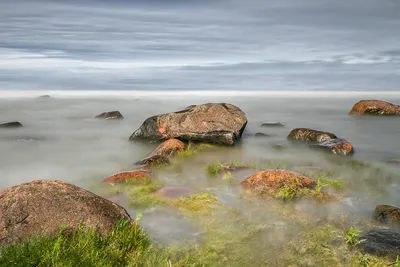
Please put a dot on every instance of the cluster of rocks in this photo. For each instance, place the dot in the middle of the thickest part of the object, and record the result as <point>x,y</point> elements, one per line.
<point>40,207</point>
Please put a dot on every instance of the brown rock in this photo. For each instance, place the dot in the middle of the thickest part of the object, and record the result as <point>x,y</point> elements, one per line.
<point>208,123</point>
<point>169,148</point>
<point>111,115</point>
<point>123,177</point>
<point>175,192</point>
<point>394,161</point>
<point>154,160</point>
<point>39,208</point>
<point>269,181</point>
<point>310,135</point>
<point>387,214</point>
<point>374,107</point>
<point>336,146</point>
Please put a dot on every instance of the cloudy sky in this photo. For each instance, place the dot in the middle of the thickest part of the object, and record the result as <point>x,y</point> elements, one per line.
<point>200,44</point>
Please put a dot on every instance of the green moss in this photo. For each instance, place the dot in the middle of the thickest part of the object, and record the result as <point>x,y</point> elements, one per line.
<point>201,202</point>
<point>143,195</point>
<point>192,149</point>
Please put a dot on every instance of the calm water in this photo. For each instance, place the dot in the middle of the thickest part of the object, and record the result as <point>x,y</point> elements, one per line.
<point>62,140</point>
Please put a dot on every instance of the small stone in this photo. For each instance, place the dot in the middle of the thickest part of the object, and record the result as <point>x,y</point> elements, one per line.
<point>13,124</point>
<point>175,192</point>
<point>127,176</point>
<point>387,214</point>
<point>273,124</point>
<point>111,115</point>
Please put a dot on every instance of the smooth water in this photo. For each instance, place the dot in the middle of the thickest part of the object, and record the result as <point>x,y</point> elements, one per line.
<point>61,140</point>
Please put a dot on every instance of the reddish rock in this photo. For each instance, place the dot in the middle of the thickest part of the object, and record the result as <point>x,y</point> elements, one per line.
<point>169,148</point>
<point>124,177</point>
<point>387,214</point>
<point>111,115</point>
<point>336,146</point>
<point>175,192</point>
<point>40,208</point>
<point>268,181</point>
<point>218,123</point>
<point>309,135</point>
<point>375,107</point>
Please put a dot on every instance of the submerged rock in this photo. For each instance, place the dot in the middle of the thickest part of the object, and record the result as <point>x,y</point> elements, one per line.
<point>309,135</point>
<point>169,148</point>
<point>40,208</point>
<point>394,161</point>
<point>336,146</point>
<point>272,124</point>
<point>278,147</point>
<point>111,115</point>
<point>262,135</point>
<point>381,242</point>
<point>269,181</point>
<point>375,107</point>
<point>387,214</point>
<point>13,124</point>
<point>208,123</point>
<point>123,177</point>
<point>154,160</point>
<point>175,192</point>
<point>44,96</point>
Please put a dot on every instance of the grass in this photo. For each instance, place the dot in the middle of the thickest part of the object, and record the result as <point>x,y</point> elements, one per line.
<point>142,195</point>
<point>352,236</point>
<point>217,167</point>
<point>201,202</point>
<point>192,149</point>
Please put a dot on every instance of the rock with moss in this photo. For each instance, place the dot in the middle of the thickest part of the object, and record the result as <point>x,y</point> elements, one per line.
<point>41,207</point>
<point>128,176</point>
<point>381,242</point>
<point>174,192</point>
<point>217,123</point>
<point>169,148</point>
<point>13,124</point>
<point>387,214</point>
<point>374,107</point>
<point>154,161</point>
<point>309,135</point>
<point>110,115</point>
<point>270,182</point>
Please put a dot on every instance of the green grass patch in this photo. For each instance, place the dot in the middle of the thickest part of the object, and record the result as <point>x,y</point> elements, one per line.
<point>142,195</point>
<point>201,202</point>
<point>192,149</point>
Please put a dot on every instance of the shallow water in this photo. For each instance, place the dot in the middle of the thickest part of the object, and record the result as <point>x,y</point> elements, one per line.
<point>62,140</point>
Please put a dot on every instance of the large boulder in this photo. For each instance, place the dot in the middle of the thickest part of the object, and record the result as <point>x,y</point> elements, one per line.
<point>13,124</point>
<point>375,107</point>
<point>110,115</point>
<point>381,242</point>
<point>309,135</point>
<point>268,182</point>
<point>387,214</point>
<point>40,208</point>
<point>218,123</point>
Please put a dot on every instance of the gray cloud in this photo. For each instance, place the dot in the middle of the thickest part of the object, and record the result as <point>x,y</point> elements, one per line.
<point>232,44</point>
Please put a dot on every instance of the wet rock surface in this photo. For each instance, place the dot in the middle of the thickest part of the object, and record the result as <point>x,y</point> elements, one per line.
<point>269,181</point>
<point>169,148</point>
<point>124,177</point>
<point>40,207</point>
<point>154,161</point>
<point>336,146</point>
<point>381,242</point>
<point>387,214</point>
<point>110,115</point>
<point>218,123</point>
<point>13,124</point>
<point>375,107</point>
<point>309,135</point>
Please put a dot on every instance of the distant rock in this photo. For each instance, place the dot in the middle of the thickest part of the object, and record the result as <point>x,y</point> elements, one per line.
<point>169,148</point>
<point>111,115</point>
<point>279,147</point>
<point>309,135</point>
<point>394,161</point>
<point>40,208</point>
<point>175,192</point>
<point>13,124</point>
<point>381,242</point>
<point>375,107</point>
<point>387,214</point>
<point>273,124</point>
<point>154,161</point>
<point>322,140</point>
<point>336,146</point>
<point>268,182</point>
<point>125,177</point>
<point>262,135</point>
<point>44,96</point>
<point>208,123</point>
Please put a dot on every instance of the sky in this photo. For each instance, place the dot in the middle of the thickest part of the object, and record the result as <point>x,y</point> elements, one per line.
<point>200,45</point>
